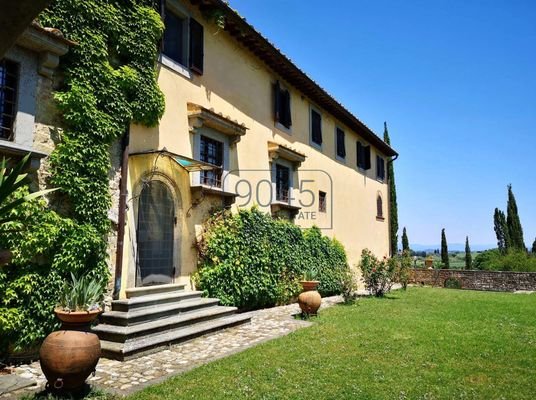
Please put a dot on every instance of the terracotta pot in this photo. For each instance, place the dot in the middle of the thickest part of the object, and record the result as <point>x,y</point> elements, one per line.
<point>70,355</point>
<point>309,285</point>
<point>309,300</point>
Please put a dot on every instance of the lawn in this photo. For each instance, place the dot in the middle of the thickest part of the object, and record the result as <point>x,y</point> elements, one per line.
<point>421,344</point>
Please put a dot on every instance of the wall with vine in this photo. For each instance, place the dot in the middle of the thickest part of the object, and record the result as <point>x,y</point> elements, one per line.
<point>251,260</point>
<point>109,81</point>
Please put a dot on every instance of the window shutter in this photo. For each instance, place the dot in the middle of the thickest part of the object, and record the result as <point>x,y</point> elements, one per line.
<point>277,102</point>
<point>316,126</point>
<point>161,5</point>
<point>367,157</point>
<point>287,121</point>
<point>341,147</point>
<point>196,46</point>
<point>359,152</point>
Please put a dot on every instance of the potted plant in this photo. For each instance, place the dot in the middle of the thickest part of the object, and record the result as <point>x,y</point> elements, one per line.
<point>69,355</point>
<point>310,300</point>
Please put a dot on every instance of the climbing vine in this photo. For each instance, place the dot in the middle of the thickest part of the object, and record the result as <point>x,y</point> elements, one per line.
<point>109,81</point>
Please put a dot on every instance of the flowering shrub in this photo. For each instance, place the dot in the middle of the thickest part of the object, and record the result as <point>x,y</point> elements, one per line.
<point>379,276</point>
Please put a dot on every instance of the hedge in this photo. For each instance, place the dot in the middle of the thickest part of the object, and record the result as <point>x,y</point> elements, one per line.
<point>250,260</point>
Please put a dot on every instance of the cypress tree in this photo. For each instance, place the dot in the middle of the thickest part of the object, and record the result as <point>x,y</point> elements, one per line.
<point>514,224</point>
<point>444,250</point>
<point>393,206</point>
<point>501,230</point>
<point>534,248</point>
<point>468,257</point>
<point>405,240</point>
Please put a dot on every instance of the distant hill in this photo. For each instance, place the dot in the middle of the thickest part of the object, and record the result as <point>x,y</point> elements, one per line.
<point>452,247</point>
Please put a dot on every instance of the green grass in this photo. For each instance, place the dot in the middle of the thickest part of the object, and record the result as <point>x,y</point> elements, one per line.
<point>422,344</point>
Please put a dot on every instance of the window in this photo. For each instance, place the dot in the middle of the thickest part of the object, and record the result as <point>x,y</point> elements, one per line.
<point>363,156</point>
<point>379,207</point>
<point>183,40</point>
<point>175,37</point>
<point>282,106</point>
<point>322,201</point>
<point>380,168</point>
<point>282,183</point>
<point>316,128</point>
<point>9,72</point>
<point>211,152</point>
<point>341,147</point>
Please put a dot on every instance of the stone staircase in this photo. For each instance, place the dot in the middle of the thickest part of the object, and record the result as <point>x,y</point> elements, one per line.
<point>151,318</point>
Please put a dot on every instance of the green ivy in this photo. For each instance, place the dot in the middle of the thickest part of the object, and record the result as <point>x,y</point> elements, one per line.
<point>109,81</point>
<point>250,260</point>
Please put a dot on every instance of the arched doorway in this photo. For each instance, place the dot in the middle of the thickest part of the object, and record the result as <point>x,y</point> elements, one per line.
<point>155,235</point>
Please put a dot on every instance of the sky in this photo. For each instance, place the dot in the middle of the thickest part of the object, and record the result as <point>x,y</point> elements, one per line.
<point>456,83</point>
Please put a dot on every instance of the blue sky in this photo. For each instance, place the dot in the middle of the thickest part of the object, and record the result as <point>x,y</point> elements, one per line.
<point>456,83</point>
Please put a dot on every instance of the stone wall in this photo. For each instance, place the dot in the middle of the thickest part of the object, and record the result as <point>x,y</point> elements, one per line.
<point>501,281</point>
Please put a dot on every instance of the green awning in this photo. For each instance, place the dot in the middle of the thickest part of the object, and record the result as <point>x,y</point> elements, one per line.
<point>191,165</point>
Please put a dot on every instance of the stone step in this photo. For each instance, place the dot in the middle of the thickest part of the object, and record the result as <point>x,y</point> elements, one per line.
<point>151,343</point>
<point>116,333</point>
<point>148,290</point>
<point>145,314</point>
<point>153,300</point>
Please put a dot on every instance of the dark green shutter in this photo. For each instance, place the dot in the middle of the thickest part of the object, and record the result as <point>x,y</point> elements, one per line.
<point>277,102</point>
<point>196,46</point>
<point>287,121</point>
<point>366,150</point>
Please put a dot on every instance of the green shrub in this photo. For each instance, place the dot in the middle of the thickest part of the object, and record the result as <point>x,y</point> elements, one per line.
<point>513,260</point>
<point>452,283</point>
<point>378,275</point>
<point>251,260</point>
<point>29,295</point>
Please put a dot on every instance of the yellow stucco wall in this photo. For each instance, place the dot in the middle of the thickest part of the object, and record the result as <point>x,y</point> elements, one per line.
<point>239,86</point>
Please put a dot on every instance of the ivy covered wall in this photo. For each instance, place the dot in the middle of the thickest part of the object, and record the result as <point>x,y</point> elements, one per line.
<point>108,81</point>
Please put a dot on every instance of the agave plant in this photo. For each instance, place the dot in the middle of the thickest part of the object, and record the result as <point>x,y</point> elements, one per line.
<point>83,294</point>
<point>12,179</point>
<point>310,274</point>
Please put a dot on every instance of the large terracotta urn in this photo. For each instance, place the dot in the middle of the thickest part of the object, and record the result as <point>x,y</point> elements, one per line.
<point>309,300</point>
<point>70,355</point>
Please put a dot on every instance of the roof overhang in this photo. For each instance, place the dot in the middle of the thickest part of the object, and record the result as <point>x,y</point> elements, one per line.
<point>253,40</point>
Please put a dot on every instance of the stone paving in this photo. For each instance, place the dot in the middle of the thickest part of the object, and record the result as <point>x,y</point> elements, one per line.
<point>129,376</point>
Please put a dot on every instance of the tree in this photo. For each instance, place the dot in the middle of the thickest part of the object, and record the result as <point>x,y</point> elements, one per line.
<point>393,207</point>
<point>405,240</point>
<point>534,248</point>
<point>468,257</point>
<point>444,250</point>
<point>515,231</point>
<point>501,230</point>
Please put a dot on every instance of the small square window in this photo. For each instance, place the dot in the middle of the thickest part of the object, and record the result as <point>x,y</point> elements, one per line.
<point>322,203</point>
